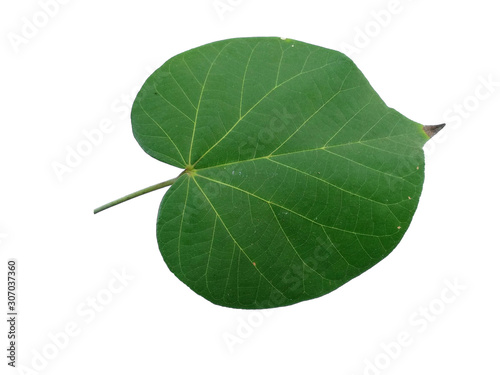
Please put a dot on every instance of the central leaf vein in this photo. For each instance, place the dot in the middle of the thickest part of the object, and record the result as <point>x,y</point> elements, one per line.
<point>250,110</point>
<point>292,211</point>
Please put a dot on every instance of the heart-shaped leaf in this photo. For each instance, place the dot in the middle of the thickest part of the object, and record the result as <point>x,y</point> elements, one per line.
<point>297,177</point>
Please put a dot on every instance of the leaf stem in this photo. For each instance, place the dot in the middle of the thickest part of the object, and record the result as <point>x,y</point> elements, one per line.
<point>137,194</point>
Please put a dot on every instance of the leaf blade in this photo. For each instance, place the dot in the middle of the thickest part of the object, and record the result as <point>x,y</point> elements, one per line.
<point>299,176</point>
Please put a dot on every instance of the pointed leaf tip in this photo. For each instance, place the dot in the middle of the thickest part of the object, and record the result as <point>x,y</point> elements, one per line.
<point>432,130</point>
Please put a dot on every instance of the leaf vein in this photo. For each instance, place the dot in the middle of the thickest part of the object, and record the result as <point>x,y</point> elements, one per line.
<point>255,105</point>
<point>167,101</point>
<point>292,246</point>
<point>291,211</point>
<point>202,91</point>
<point>234,239</point>
<point>164,132</point>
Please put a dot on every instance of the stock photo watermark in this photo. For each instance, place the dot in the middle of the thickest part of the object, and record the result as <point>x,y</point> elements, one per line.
<point>417,324</point>
<point>33,25</point>
<point>223,7</point>
<point>74,155</point>
<point>86,313</point>
<point>3,238</point>
<point>457,114</point>
<point>12,320</point>
<point>246,326</point>
<point>373,28</point>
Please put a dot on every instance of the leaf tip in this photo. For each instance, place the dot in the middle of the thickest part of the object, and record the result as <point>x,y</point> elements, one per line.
<point>432,130</point>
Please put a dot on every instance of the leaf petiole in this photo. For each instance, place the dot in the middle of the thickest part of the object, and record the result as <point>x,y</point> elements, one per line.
<point>137,194</point>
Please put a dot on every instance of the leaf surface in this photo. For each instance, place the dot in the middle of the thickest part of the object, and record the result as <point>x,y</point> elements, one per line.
<point>297,179</point>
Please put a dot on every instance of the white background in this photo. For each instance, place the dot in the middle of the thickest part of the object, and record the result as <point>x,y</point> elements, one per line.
<point>84,65</point>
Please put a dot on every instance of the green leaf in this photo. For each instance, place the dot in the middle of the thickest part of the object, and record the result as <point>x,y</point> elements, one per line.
<point>297,176</point>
